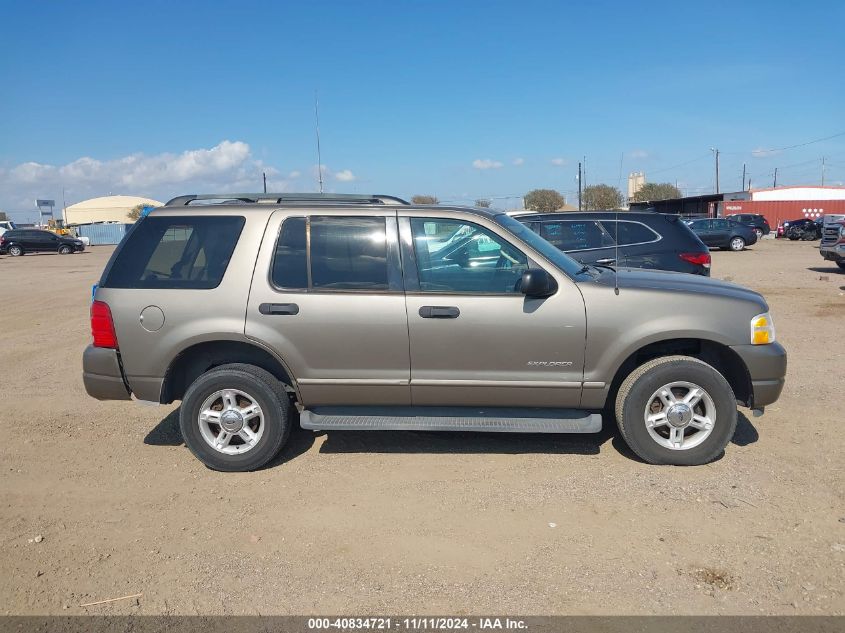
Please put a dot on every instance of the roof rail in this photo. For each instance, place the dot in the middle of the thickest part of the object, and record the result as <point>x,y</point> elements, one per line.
<point>279,198</point>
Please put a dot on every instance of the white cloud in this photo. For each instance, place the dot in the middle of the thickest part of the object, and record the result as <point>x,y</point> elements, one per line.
<point>638,153</point>
<point>344,175</point>
<point>763,153</point>
<point>558,162</point>
<point>226,166</point>
<point>486,163</point>
<point>518,161</point>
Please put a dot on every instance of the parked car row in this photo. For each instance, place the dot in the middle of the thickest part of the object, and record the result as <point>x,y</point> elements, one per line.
<point>19,242</point>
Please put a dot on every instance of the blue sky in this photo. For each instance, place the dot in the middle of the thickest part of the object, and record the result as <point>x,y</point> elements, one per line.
<point>461,99</point>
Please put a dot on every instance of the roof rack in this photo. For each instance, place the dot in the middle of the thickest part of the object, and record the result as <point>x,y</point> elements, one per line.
<point>279,198</point>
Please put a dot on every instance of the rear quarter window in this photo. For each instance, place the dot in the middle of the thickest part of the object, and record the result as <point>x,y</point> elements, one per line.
<point>627,232</point>
<point>175,252</point>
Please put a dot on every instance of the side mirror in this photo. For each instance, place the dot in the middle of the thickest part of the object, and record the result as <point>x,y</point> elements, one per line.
<point>538,283</point>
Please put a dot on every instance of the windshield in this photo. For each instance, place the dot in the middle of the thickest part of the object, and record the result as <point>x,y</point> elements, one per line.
<point>557,257</point>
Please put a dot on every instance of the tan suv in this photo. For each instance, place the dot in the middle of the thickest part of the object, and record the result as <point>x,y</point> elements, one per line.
<point>365,312</point>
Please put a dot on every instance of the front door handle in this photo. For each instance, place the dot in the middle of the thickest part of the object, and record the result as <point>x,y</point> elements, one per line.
<point>278,308</point>
<point>605,262</point>
<point>439,312</point>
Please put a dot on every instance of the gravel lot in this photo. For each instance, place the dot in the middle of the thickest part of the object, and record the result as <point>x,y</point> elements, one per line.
<point>101,500</point>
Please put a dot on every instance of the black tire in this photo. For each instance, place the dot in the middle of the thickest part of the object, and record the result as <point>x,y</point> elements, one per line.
<point>637,388</point>
<point>65,250</point>
<point>267,391</point>
<point>736,244</point>
<point>15,250</point>
<point>841,265</point>
<point>759,233</point>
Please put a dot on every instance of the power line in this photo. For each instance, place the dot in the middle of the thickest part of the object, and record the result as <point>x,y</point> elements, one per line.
<point>689,162</point>
<point>758,152</point>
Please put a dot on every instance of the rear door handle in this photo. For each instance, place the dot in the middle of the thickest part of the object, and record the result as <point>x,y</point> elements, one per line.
<point>605,262</point>
<point>439,312</point>
<point>278,308</point>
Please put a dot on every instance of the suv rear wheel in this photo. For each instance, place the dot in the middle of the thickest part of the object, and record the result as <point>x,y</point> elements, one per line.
<point>235,417</point>
<point>676,410</point>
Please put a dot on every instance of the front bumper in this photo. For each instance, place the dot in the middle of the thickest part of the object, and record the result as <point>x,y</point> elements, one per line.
<point>102,375</point>
<point>833,253</point>
<point>767,368</point>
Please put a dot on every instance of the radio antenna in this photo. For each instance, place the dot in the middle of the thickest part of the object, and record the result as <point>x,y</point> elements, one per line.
<point>616,237</point>
<point>317,131</point>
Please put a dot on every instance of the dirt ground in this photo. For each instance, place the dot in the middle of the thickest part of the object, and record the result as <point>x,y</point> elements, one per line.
<point>101,499</point>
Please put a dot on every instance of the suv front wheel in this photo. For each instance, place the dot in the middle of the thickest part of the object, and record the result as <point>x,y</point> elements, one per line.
<point>235,417</point>
<point>676,410</point>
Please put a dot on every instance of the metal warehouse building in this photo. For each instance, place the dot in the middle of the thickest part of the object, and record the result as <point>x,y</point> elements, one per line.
<point>777,204</point>
<point>105,209</point>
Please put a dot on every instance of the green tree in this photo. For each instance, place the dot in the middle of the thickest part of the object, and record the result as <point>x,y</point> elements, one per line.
<point>425,199</point>
<point>484,203</point>
<point>598,197</point>
<point>135,212</point>
<point>653,191</point>
<point>543,200</point>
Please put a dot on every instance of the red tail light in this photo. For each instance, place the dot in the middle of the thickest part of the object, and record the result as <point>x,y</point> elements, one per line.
<point>102,325</point>
<point>700,259</point>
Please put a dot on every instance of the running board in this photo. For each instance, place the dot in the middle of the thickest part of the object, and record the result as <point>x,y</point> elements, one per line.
<point>486,420</point>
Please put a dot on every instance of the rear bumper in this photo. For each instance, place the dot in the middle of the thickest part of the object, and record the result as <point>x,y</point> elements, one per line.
<point>101,374</point>
<point>767,367</point>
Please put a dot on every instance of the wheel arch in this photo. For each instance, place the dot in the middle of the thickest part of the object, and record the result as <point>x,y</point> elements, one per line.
<point>200,357</point>
<point>721,357</point>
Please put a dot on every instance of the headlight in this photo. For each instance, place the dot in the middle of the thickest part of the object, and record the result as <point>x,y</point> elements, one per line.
<point>762,329</point>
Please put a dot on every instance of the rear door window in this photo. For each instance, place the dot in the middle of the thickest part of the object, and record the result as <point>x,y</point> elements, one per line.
<point>348,253</point>
<point>575,235</point>
<point>175,252</point>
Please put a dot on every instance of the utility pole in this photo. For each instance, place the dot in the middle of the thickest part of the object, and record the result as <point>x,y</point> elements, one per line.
<point>822,171</point>
<point>743,176</point>
<point>716,152</point>
<point>775,182</point>
<point>579,186</point>
<point>264,175</point>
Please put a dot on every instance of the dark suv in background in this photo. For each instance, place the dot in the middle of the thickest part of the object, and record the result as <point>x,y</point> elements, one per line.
<point>723,233</point>
<point>756,221</point>
<point>644,239</point>
<point>19,241</point>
